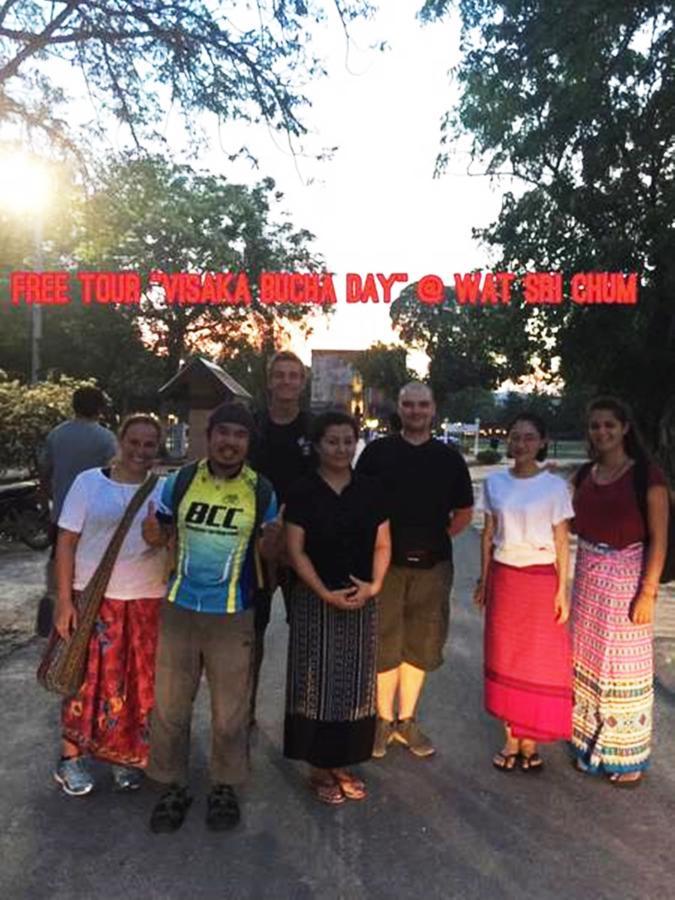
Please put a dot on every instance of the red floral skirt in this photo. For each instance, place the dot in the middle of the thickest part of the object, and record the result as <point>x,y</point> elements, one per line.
<point>109,716</point>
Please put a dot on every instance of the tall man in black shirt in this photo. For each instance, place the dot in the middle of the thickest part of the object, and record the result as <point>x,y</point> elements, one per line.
<point>430,498</point>
<point>283,453</point>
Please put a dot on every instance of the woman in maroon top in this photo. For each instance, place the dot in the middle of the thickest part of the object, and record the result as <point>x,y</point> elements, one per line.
<point>621,508</point>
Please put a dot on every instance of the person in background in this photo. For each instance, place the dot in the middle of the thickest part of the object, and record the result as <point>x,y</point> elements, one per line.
<point>621,518</point>
<point>73,446</point>
<point>214,510</point>
<point>282,452</point>
<point>70,448</point>
<point>108,717</point>
<point>523,588</point>
<point>338,543</point>
<point>428,488</point>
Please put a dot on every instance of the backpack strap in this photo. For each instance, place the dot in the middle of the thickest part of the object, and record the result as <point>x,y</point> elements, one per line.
<point>184,479</point>
<point>581,474</point>
<point>263,495</point>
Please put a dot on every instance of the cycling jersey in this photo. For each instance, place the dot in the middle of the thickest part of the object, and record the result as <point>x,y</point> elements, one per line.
<point>215,568</point>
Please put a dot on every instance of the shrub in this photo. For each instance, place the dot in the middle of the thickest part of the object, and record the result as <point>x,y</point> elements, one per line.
<point>27,413</point>
<point>488,457</point>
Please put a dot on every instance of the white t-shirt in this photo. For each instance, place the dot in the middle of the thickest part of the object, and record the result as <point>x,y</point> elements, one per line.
<point>525,509</point>
<point>93,507</point>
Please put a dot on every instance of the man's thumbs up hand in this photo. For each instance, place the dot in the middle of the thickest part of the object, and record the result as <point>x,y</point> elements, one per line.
<point>151,528</point>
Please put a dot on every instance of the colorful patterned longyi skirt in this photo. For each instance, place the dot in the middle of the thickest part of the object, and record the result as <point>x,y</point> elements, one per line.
<point>613,662</point>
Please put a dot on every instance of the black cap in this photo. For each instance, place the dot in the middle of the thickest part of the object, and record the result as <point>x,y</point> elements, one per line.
<point>233,412</point>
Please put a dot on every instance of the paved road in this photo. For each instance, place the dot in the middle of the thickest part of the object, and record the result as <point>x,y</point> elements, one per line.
<point>447,827</point>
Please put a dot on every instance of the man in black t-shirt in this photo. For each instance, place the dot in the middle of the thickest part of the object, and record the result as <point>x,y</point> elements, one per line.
<point>283,453</point>
<point>428,489</point>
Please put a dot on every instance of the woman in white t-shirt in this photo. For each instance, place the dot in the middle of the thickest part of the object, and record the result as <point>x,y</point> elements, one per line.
<point>108,717</point>
<point>523,587</point>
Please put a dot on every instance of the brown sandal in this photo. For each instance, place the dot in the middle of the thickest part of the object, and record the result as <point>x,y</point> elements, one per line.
<point>351,786</point>
<point>620,781</point>
<point>328,792</point>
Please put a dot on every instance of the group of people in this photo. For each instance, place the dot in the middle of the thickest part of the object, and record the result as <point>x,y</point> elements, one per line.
<point>363,557</point>
<point>592,684</point>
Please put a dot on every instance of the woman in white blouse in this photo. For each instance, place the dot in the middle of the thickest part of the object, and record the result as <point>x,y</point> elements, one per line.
<point>523,587</point>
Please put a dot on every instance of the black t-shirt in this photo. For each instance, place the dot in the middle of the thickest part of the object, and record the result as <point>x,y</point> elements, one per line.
<point>422,483</point>
<point>283,453</point>
<point>340,529</point>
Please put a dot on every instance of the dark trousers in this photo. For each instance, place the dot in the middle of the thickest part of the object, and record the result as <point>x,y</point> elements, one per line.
<point>263,611</point>
<point>222,647</point>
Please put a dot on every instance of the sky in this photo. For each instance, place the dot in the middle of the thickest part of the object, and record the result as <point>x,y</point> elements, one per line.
<point>375,206</point>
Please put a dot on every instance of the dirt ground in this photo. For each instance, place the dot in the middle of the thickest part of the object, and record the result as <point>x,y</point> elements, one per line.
<point>22,583</point>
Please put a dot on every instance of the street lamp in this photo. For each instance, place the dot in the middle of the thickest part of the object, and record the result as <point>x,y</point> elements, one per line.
<point>25,189</point>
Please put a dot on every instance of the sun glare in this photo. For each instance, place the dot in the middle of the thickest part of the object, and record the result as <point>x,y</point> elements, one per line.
<point>25,184</point>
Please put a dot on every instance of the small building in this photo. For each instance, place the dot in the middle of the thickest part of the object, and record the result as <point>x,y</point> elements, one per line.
<point>187,400</point>
<point>337,384</point>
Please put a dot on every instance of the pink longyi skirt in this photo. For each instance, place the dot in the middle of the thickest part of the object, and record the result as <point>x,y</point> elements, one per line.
<point>528,662</point>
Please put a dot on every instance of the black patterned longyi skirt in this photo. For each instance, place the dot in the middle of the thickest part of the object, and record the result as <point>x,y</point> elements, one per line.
<point>330,683</point>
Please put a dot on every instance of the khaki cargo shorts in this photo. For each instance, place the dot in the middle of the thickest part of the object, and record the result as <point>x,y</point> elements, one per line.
<point>414,617</point>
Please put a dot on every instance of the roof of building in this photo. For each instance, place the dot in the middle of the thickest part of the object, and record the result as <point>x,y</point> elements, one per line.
<point>203,370</point>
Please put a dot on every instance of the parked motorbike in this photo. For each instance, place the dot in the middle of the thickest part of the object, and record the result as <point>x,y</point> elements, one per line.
<point>24,514</point>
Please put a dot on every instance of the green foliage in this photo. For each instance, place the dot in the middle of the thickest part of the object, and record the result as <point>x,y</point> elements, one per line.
<point>248,366</point>
<point>383,366</point>
<point>488,457</point>
<point>468,347</point>
<point>576,102</point>
<point>152,214</point>
<point>468,404</point>
<point>28,413</point>
<point>235,60</point>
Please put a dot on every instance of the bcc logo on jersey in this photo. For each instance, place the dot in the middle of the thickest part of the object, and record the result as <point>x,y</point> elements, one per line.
<point>212,515</point>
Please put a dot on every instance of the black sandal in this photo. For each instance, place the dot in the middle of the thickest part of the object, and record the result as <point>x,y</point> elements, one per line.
<point>531,763</point>
<point>170,812</point>
<point>222,811</point>
<point>505,762</point>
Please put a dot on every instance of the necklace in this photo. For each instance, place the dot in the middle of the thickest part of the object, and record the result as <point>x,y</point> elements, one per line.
<point>612,474</point>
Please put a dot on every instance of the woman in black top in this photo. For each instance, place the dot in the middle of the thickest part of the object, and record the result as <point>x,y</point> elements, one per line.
<point>338,542</point>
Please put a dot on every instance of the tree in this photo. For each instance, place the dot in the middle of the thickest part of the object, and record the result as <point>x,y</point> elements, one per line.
<point>383,366</point>
<point>468,347</point>
<point>248,366</point>
<point>80,342</point>
<point>138,59</point>
<point>577,101</point>
<point>468,404</point>
<point>149,214</point>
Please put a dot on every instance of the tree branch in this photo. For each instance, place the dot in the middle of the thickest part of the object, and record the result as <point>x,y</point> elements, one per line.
<point>38,42</point>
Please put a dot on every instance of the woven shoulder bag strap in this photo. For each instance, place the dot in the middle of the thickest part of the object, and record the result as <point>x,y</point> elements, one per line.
<point>99,580</point>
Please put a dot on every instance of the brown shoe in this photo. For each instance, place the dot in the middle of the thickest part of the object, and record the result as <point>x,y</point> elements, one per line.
<point>410,735</point>
<point>384,735</point>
